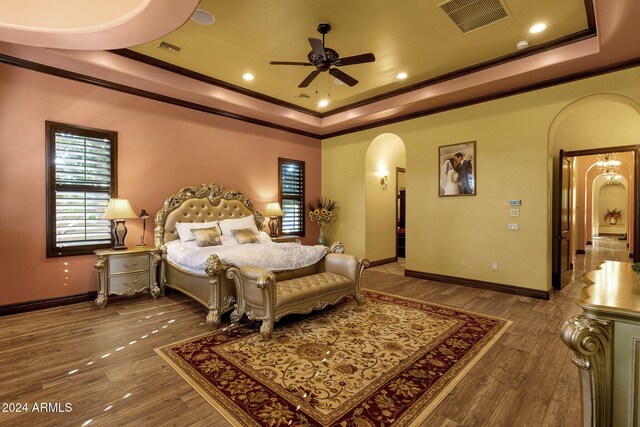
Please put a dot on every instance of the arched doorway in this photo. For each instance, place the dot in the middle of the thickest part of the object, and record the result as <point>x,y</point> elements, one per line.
<point>591,126</point>
<point>384,155</point>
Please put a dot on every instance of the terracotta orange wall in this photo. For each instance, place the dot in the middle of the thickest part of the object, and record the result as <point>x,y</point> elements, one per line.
<point>161,148</point>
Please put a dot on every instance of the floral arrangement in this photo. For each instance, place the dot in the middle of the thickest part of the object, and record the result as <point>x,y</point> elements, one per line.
<point>323,211</point>
<point>614,214</point>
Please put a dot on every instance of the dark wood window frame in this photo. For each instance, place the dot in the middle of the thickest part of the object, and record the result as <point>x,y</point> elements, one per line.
<point>301,199</point>
<point>51,129</point>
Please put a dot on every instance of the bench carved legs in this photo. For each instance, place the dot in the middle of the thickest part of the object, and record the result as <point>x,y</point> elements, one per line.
<point>266,329</point>
<point>358,293</point>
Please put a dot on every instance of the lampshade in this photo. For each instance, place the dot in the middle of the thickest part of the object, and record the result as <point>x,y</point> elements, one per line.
<point>119,209</point>
<point>273,209</point>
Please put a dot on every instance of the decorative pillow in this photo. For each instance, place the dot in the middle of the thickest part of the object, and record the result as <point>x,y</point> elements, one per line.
<point>207,236</point>
<point>228,225</point>
<point>245,235</point>
<point>184,229</point>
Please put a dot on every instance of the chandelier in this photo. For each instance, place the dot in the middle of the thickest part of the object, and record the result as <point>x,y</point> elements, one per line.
<point>609,167</point>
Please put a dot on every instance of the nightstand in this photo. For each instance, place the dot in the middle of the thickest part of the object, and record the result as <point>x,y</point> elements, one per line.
<point>286,239</point>
<point>126,272</point>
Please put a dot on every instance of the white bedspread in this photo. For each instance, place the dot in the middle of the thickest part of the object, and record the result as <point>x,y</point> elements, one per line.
<point>267,254</point>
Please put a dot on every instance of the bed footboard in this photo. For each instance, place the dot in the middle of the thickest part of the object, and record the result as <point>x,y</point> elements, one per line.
<point>214,290</point>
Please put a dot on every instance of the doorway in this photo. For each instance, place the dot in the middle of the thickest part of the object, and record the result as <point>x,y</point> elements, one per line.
<point>596,200</point>
<point>384,155</point>
<point>401,215</point>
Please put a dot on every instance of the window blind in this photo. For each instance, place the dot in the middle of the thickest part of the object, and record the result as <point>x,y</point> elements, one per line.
<point>291,173</point>
<point>82,163</point>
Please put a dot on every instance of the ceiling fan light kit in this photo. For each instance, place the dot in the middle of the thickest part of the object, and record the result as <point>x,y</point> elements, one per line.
<point>324,58</point>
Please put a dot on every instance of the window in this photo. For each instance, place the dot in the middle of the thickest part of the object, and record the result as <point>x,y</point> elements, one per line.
<point>81,177</point>
<point>291,184</point>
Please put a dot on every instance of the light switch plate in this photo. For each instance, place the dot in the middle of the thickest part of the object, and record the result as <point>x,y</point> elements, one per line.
<point>514,212</point>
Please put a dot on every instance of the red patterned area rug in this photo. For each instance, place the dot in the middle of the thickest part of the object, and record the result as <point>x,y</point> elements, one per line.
<point>389,362</point>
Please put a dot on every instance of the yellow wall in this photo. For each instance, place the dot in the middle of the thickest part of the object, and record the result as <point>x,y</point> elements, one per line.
<point>514,161</point>
<point>343,172</point>
<point>612,197</point>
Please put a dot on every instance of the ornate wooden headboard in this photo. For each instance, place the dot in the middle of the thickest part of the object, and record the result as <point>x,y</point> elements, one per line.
<point>209,202</point>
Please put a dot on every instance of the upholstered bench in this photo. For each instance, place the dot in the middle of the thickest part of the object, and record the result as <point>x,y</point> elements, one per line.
<point>261,297</point>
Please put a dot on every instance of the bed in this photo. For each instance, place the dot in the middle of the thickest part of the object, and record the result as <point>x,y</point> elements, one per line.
<point>210,285</point>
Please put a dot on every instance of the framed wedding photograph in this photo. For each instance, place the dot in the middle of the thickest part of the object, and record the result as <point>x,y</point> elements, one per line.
<point>457,169</point>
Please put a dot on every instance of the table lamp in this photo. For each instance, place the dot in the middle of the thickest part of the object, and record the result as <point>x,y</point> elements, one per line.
<point>143,216</point>
<point>118,210</point>
<point>273,211</point>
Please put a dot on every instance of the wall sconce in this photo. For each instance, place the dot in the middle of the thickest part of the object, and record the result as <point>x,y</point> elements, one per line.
<point>384,179</point>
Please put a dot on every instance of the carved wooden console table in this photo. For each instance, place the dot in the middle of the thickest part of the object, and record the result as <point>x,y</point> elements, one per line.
<point>606,342</point>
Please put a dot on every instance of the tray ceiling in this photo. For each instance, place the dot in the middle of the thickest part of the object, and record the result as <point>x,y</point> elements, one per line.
<point>416,37</point>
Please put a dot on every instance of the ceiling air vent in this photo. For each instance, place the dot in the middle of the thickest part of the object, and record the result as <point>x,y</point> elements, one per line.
<point>470,15</point>
<point>169,48</point>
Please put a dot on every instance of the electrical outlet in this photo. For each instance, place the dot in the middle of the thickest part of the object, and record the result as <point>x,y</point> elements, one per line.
<point>494,265</point>
<point>513,227</point>
<point>463,263</point>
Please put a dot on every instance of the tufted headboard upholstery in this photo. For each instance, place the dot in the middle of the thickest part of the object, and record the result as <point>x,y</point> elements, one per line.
<point>209,202</point>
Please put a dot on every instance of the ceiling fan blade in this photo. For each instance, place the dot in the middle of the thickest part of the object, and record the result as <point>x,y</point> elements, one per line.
<point>311,77</point>
<point>356,59</point>
<point>290,63</point>
<point>343,77</point>
<point>317,47</point>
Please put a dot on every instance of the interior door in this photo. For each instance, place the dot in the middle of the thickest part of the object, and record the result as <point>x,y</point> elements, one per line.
<point>562,230</point>
<point>401,210</point>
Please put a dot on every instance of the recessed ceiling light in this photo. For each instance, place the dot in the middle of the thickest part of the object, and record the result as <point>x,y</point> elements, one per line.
<point>323,103</point>
<point>247,76</point>
<point>203,17</point>
<point>401,76</point>
<point>522,44</point>
<point>538,28</point>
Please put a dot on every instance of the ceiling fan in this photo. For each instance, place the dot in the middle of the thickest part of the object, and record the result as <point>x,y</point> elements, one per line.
<point>323,58</point>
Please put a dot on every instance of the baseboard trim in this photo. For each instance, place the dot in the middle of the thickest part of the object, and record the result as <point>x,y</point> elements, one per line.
<point>580,252</point>
<point>23,307</point>
<point>472,283</point>
<point>382,262</point>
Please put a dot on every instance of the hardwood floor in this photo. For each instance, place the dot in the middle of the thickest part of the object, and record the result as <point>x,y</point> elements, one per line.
<point>102,362</point>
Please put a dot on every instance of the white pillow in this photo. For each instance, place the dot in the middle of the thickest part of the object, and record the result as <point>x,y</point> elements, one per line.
<point>236,224</point>
<point>184,229</point>
<point>263,237</point>
<point>229,241</point>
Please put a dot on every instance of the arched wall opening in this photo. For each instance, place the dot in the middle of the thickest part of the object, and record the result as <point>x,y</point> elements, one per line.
<point>607,198</point>
<point>588,224</point>
<point>385,153</point>
<point>599,123</point>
